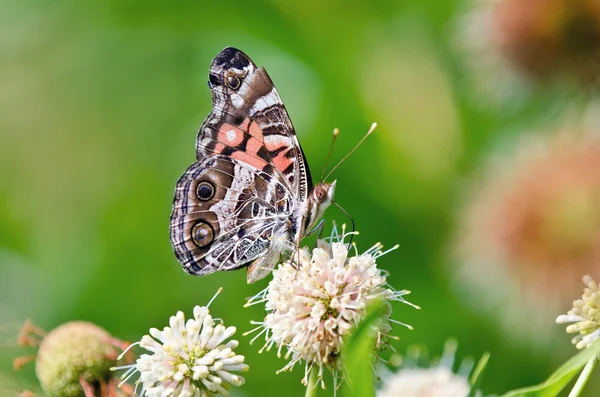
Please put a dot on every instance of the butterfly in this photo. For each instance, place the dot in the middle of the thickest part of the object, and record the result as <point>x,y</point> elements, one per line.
<point>249,197</point>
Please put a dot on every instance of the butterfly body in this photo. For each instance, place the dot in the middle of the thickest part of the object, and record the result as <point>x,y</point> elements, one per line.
<point>249,196</point>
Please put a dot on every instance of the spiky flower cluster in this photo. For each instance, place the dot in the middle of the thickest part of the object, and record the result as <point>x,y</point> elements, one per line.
<point>585,316</point>
<point>425,382</point>
<point>314,301</point>
<point>423,376</point>
<point>188,358</point>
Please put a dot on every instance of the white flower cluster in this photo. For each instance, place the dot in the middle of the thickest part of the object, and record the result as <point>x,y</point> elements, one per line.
<point>314,301</point>
<point>425,382</point>
<point>188,358</point>
<point>585,315</point>
<point>435,379</point>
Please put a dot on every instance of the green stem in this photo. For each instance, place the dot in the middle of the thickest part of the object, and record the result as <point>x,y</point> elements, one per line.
<point>584,377</point>
<point>311,387</point>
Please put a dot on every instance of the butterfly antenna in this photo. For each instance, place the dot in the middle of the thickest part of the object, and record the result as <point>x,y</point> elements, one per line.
<point>349,217</point>
<point>373,126</point>
<point>336,132</point>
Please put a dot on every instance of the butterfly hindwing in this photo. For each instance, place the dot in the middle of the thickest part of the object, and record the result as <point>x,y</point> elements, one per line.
<point>225,214</point>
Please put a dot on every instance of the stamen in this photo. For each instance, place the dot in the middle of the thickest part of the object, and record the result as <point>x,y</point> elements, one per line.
<point>214,297</point>
<point>449,353</point>
<point>260,325</point>
<point>258,335</point>
<point>355,249</point>
<point>252,330</point>
<point>466,366</point>
<point>121,367</point>
<point>401,323</point>
<point>133,368</point>
<point>127,378</point>
<point>127,349</point>
<point>395,247</point>
<point>252,303</point>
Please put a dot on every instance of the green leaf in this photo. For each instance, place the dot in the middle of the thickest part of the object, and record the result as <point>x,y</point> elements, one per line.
<point>560,378</point>
<point>359,353</point>
<point>477,374</point>
<point>313,383</point>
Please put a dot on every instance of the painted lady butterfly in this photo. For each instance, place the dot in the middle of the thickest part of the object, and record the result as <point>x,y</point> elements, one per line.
<point>249,196</point>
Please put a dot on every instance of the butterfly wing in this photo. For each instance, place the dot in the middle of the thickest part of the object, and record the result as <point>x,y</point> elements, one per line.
<point>250,123</point>
<point>235,200</point>
<point>225,214</point>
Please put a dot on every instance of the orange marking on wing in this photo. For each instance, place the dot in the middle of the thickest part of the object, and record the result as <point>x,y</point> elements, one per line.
<point>255,143</point>
<point>230,135</point>
<point>281,162</point>
<point>274,143</point>
<point>219,147</point>
<point>256,132</point>
<point>272,146</point>
<point>253,146</point>
<point>250,159</point>
<point>245,124</point>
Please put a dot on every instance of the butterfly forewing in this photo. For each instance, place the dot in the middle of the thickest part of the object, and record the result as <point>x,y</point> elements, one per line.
<point>249,121</point>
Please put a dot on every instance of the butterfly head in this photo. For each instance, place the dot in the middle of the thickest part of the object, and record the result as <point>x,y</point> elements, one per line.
<point>321,198</point>
<point>323,193</point>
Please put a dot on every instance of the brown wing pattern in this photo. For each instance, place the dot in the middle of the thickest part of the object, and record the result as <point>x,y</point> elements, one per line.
<point>249,175</point>
<point>250,123</point>
<point>225,214</point>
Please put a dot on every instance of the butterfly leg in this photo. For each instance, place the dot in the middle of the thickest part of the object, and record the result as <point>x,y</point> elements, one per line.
<point>297,265</point>
<point>317,229</point>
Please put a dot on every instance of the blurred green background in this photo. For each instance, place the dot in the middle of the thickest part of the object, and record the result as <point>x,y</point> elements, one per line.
<point>99,107</point>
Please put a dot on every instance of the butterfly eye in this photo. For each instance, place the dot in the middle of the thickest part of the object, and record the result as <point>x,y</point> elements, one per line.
<point>205,191</point>
<point>233,81</point>
<point>320,193</point>
<point>202,234</point>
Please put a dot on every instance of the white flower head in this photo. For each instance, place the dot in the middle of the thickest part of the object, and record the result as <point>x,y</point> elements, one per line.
<point>437,379</point>
<point>585,316</point>
<point>425,382</point>
<point>315,300</point>
<point>188,358</point>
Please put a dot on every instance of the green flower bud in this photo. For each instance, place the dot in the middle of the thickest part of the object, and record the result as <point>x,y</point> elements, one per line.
<point>73,352</point>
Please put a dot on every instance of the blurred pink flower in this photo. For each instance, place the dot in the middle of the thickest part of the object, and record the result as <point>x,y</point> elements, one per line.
<point>512,43</point>
<point>533,227</point>
<point>551,36</point>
